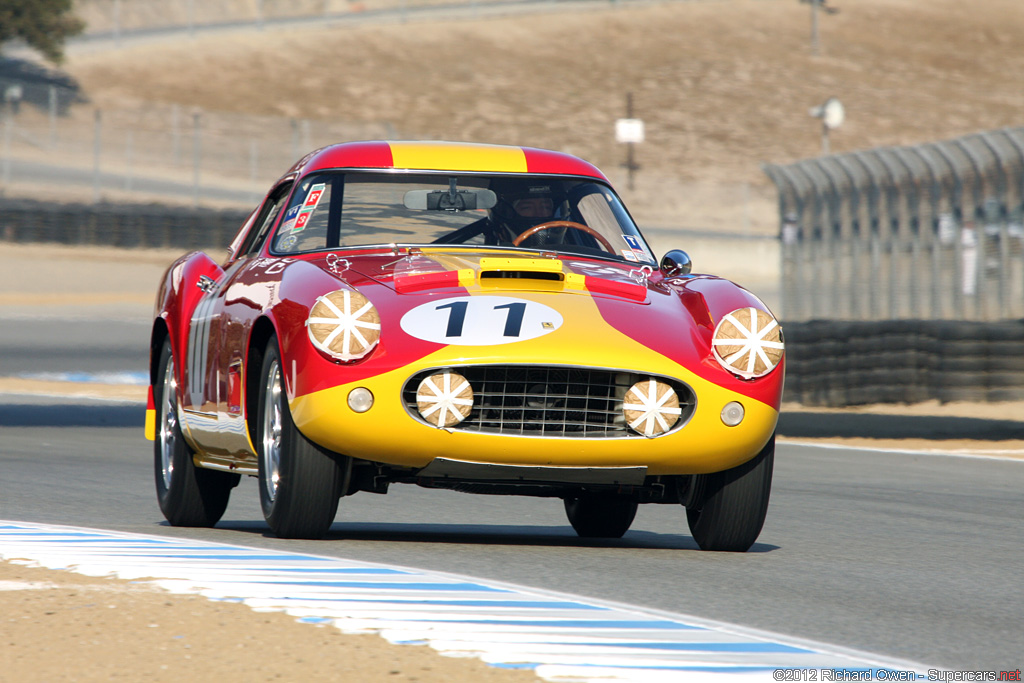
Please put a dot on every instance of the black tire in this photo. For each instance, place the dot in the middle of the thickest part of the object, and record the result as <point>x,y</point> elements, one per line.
<point>300,482</point>
<point>731,512</point>
<point>600,515</point>
<point>188,495</point>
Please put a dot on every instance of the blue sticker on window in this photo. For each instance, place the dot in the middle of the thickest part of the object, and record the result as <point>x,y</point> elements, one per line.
<point>634,242</point>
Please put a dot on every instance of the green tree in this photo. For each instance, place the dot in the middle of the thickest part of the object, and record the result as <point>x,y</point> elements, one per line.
<point>43,24</point>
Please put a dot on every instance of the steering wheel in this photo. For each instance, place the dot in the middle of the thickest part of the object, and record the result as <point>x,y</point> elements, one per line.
<point>564,224</point>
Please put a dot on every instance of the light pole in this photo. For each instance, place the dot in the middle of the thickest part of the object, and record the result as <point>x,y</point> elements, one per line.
<point>817,5</point>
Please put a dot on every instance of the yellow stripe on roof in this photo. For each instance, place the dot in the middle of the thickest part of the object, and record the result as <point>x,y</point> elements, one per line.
<point>453,156</point>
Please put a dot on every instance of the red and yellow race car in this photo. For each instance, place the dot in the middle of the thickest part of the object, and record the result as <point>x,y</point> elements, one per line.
<point>479,318</point>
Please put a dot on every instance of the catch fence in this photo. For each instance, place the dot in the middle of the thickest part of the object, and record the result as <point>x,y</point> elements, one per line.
<point>932,231</point>
<point>155,152</point>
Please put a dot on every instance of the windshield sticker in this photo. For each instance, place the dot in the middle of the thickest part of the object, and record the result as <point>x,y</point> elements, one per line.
<point>633,241</point>
<point>309,206</point>
<point>638,248</point>
<point>629,255</point>
<point>287,242</point>
<point>300,222</point>
<point>289,218</point>
<point>313,198</point>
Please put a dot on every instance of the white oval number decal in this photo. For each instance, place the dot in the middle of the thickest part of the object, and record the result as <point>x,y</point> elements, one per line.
<point>480,320</point>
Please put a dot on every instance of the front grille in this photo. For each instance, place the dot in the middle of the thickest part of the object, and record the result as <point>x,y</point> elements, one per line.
<point>556,401</point>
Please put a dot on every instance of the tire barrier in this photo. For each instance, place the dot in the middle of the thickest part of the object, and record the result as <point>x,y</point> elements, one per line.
<point>845,363</point>
<point>118,225</point>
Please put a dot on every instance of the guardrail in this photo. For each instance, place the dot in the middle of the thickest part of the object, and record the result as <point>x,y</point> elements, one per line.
<point>933,231</point>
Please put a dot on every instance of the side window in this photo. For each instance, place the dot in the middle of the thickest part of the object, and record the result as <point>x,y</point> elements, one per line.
<point>305,225</point>
<point>268,215</point>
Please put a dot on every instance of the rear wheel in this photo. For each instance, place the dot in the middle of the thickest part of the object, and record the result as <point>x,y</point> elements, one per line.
<point>300,483</point>
<point>600,515</point>
<point>731,509</point>
<point>188,495</point>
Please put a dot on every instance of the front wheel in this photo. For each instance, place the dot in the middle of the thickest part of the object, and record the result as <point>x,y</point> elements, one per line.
<point>300,483</point>
<point>188,495</point>
<point>600,515</point>
<point>731,510</point>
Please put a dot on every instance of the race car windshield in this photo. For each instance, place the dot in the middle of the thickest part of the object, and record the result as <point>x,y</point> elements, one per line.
<point>549,213</point>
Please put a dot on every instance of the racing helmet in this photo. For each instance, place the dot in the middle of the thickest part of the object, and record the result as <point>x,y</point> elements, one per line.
<point>523,204</point>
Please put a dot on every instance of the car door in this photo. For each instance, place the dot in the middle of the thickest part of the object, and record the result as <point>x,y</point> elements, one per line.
<point>217,345</point>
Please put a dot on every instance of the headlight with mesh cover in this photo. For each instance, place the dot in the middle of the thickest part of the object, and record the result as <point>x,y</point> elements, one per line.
<point>748,343</point>
<point>344,325</point>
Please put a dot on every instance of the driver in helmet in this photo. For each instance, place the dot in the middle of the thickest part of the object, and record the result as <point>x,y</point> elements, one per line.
<point>523,209</point>
<point>534,207</point>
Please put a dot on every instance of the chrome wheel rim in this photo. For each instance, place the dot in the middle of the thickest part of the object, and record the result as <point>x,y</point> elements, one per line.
<point>168,424</point>
<point>270,437</point>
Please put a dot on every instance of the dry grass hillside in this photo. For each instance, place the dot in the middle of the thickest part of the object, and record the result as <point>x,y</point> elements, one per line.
<point>721,85</point>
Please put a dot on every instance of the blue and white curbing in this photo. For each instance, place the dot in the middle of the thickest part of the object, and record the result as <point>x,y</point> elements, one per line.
<point>560,637</point>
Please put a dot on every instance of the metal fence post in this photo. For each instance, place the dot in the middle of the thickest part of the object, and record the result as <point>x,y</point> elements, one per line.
<point>1013,136</point>
<point>855,308</point>
<point>1001,219</point>
<point>874,239</point>
<point>128,151</point>
<point>197,151</point>
<point>254,152</point>
<point>980,246</point>
<point>960,281</point>
<point>934,237</point>
<point>8,134</point>
<point>801,308</point>
<point>176,133</point>
<point>831,232</point>
<point>52,115</point>
<point>917,220</point>
<point>96,150</point>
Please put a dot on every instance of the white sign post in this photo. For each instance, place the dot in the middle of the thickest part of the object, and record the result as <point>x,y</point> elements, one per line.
<point>629,131</point>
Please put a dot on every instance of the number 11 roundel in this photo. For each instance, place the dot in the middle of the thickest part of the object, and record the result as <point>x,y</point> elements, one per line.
<point>480,320</point>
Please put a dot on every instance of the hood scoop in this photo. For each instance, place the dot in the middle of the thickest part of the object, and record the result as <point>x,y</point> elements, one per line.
<point>521,268</point>
<point>512,273</point>
<point>491,272</point>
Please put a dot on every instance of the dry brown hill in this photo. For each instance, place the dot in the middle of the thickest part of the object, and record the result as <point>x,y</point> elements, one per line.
<point>722,85</point>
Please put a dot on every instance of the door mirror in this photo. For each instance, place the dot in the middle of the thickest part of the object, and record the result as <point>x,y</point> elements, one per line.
<point>675,263</point>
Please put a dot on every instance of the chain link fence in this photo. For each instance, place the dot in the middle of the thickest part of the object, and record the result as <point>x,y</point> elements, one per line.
<point>933,231</point>
<point>154,152</point>
<point>170,153</point>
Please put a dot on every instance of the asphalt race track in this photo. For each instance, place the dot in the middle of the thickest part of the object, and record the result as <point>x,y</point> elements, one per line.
<point>916,557</point>
<point>911,556</point>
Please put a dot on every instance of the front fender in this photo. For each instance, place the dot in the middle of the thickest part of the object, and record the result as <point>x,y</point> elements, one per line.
<point>176,301</point>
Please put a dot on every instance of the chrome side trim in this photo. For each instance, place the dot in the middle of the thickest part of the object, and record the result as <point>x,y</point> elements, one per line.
<point>226,464</point>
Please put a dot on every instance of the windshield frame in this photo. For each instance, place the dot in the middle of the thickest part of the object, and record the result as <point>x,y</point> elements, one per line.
<point>647,258</point>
